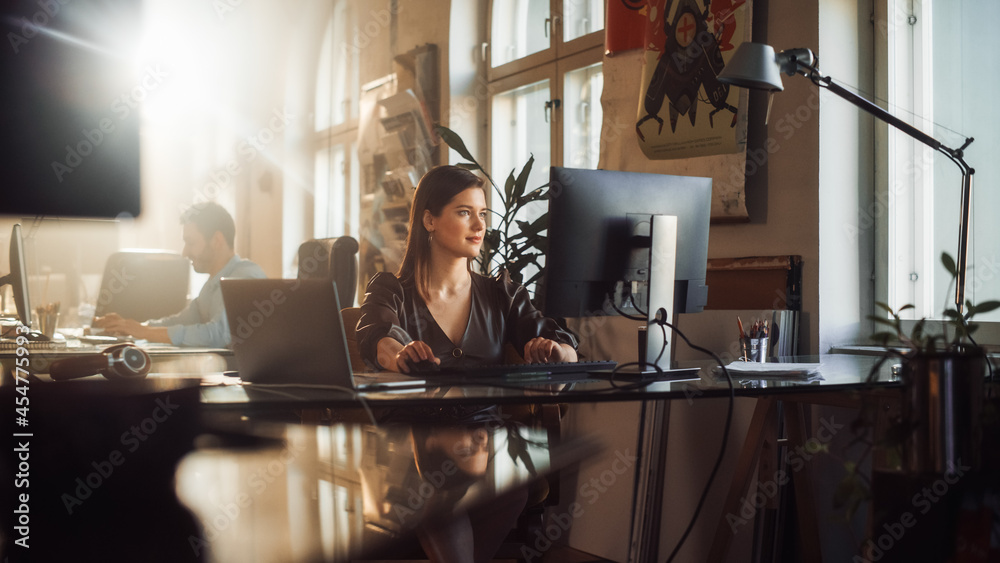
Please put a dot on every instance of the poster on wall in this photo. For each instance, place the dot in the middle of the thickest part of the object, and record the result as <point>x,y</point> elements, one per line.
<point>684,111</point>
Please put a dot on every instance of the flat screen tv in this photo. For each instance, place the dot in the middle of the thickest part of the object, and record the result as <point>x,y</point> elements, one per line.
<point>71,90</point>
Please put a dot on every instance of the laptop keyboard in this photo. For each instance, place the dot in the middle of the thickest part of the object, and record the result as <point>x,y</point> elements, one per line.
<point>519,370</point>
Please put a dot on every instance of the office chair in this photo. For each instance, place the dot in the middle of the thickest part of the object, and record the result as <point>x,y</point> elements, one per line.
<point>143,284</point>
<point>332,258</point>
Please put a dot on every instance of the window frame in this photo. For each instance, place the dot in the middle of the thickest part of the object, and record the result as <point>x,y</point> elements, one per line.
<point>556,50</point>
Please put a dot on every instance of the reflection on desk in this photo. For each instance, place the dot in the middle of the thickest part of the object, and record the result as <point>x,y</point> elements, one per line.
<point>348,491</point>
<point>840,373</point>
<point>166,359</point>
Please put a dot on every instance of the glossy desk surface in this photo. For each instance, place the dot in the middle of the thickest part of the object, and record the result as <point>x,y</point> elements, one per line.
<point>141,472</point>
<point>839,373</point>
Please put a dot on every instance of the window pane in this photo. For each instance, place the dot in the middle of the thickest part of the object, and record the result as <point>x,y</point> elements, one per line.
<point>344,103</point>
<point>321,195</point>
<point>582,116</point>
<point>946,94</point>
<point>331,189</point>
<point>520,28</point>
<point>581,17</point>
<point>355,194</point>
<point>324,81</point>
<point>519,131</point>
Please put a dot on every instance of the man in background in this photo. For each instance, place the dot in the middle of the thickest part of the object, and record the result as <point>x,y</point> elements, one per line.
<point>209,231</point>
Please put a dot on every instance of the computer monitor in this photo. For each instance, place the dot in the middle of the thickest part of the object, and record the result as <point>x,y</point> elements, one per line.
<point>143,284</point>
<point>18,277</point>
<point>71,93</point>
<point>600,242</point>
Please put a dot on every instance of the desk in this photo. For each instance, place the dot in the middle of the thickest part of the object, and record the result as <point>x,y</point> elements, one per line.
<point>166,359</point>
<point>98,412</point>
<point>840,373</point>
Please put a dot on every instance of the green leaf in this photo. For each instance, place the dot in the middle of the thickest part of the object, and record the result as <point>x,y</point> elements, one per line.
<point>468,166</point>
<point>987,306</point>
<point>952,314</point>
<point>456,143</point>
<point>904,308</point>
<point>522,178</point>
<point>949,264</point>
<point>538,194</point>
<point>508,189</point>
<point>884,306</point>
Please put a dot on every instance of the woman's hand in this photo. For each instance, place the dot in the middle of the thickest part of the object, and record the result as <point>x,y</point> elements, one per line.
<point>392,355</point>
<point>544,351</point>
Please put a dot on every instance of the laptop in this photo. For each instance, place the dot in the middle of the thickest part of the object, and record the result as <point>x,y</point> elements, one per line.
<point>291,332</point>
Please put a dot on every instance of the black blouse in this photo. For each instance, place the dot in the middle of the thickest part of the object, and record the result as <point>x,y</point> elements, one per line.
<point>501,312</point>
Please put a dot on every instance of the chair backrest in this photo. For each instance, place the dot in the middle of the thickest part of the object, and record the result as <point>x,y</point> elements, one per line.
<point>144,284</point>
<point>332,258</point>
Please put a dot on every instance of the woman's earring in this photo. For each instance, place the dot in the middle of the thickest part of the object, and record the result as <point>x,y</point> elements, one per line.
<point>430,236</point>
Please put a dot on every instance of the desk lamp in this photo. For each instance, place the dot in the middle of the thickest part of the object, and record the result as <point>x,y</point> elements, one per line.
<point>754,65</point>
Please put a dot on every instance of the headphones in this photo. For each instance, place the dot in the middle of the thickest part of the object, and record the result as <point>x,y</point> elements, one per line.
<point>120,362</point>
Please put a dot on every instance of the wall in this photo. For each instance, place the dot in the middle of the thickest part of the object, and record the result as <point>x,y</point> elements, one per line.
<point>846,172</point>
<point>792,207</point>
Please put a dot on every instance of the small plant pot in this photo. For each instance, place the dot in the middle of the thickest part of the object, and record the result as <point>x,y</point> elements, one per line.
<point>943,402</point>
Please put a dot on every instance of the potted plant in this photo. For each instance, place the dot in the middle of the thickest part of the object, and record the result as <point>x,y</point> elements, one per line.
<point>510,243</point>
<point>940,423</point>
<point>943,377</point>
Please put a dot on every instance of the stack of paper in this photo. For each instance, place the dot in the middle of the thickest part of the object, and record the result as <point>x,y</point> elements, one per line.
<point>759,370</point>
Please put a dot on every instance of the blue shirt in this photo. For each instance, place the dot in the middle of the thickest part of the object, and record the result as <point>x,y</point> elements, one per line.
<point>203,322</point>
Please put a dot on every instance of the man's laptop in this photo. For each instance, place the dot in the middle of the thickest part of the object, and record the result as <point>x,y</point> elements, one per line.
<point>291,332</point>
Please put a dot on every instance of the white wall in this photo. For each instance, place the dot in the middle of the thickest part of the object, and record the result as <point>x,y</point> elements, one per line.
<point>846,41</point>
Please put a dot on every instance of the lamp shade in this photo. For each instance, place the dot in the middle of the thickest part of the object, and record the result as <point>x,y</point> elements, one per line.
<point>753,65</point>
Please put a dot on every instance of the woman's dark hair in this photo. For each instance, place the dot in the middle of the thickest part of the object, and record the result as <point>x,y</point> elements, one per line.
<point>438,187</point>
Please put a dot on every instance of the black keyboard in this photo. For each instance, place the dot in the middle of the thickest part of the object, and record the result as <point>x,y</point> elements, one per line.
<point>517,370</point>
<point>32,345</point>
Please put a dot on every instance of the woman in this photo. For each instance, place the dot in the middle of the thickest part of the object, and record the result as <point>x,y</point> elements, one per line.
<point>435,310</point>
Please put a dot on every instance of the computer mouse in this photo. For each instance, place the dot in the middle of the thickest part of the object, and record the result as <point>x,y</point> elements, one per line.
<point>36,336</point>
<point>424,366</point>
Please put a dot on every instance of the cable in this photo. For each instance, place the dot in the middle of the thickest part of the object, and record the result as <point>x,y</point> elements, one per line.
<point>632,301</point>
<point>624,314</point>
<point>725,435</point>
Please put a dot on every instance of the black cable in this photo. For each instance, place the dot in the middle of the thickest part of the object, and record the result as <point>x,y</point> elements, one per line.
<point>624,314</point>
<point>725,436</point>
<point>632,301</point>
<point>663,347</point>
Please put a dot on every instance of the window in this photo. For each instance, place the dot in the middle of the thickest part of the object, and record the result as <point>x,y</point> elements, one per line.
<point>546,78</point>
<point>337,200</point>
<point>939,56</point>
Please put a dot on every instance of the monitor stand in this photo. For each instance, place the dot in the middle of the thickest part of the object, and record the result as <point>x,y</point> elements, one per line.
<point>653,353</point>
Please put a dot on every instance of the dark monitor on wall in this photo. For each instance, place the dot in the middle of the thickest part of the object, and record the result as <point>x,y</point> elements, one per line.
<point>599,240</point>
<point>71,92</point>
<point>18,277</point>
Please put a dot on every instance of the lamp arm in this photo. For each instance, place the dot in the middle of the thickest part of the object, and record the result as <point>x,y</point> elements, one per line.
<point>955,155</point>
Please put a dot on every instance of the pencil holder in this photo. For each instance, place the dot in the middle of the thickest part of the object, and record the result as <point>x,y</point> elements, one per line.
<point>754,349</point>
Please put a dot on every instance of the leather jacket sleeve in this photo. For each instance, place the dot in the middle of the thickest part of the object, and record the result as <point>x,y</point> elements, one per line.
<point>380,316</point>
<point>524,321</point>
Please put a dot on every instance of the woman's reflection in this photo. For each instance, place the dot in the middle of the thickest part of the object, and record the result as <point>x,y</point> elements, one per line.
<point>454,459</point>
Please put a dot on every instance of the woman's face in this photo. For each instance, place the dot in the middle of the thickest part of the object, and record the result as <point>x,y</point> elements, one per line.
<point>460,227</point>
<point>467,448</point>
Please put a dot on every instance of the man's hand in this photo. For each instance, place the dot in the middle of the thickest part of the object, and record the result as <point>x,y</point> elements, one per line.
<point>544,351</point>
<point>113,323</point>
